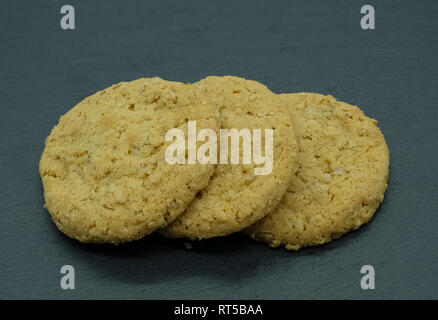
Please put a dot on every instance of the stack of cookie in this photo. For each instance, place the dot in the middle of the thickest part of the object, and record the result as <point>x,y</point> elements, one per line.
<point>106,176</point>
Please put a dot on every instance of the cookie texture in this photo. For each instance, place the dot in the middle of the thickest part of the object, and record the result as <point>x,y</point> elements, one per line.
<point>236,197</point>
<point>103,168</point>
<point>341,177</point>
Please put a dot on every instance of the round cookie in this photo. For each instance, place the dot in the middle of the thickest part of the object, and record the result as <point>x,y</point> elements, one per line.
<point>236,197</point>
<point>103,168</point>
<point>341,178</point>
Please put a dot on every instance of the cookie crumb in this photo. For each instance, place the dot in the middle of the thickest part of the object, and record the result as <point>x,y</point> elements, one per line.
<point>188,245</point>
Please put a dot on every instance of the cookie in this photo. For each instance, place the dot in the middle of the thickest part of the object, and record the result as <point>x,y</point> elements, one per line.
<point>103,168</point>
<point>236,197</point>
<point>341,177</point>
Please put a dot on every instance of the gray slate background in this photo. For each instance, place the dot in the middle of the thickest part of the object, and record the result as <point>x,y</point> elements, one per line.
<point>290,46</point>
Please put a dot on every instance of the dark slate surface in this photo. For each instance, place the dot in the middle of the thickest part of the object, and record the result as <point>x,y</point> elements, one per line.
<point>290,46</point>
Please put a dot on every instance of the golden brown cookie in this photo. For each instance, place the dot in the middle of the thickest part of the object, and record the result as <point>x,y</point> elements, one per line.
<point>103,168</point>
<point>236,197</point>
<point>341,178</point>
